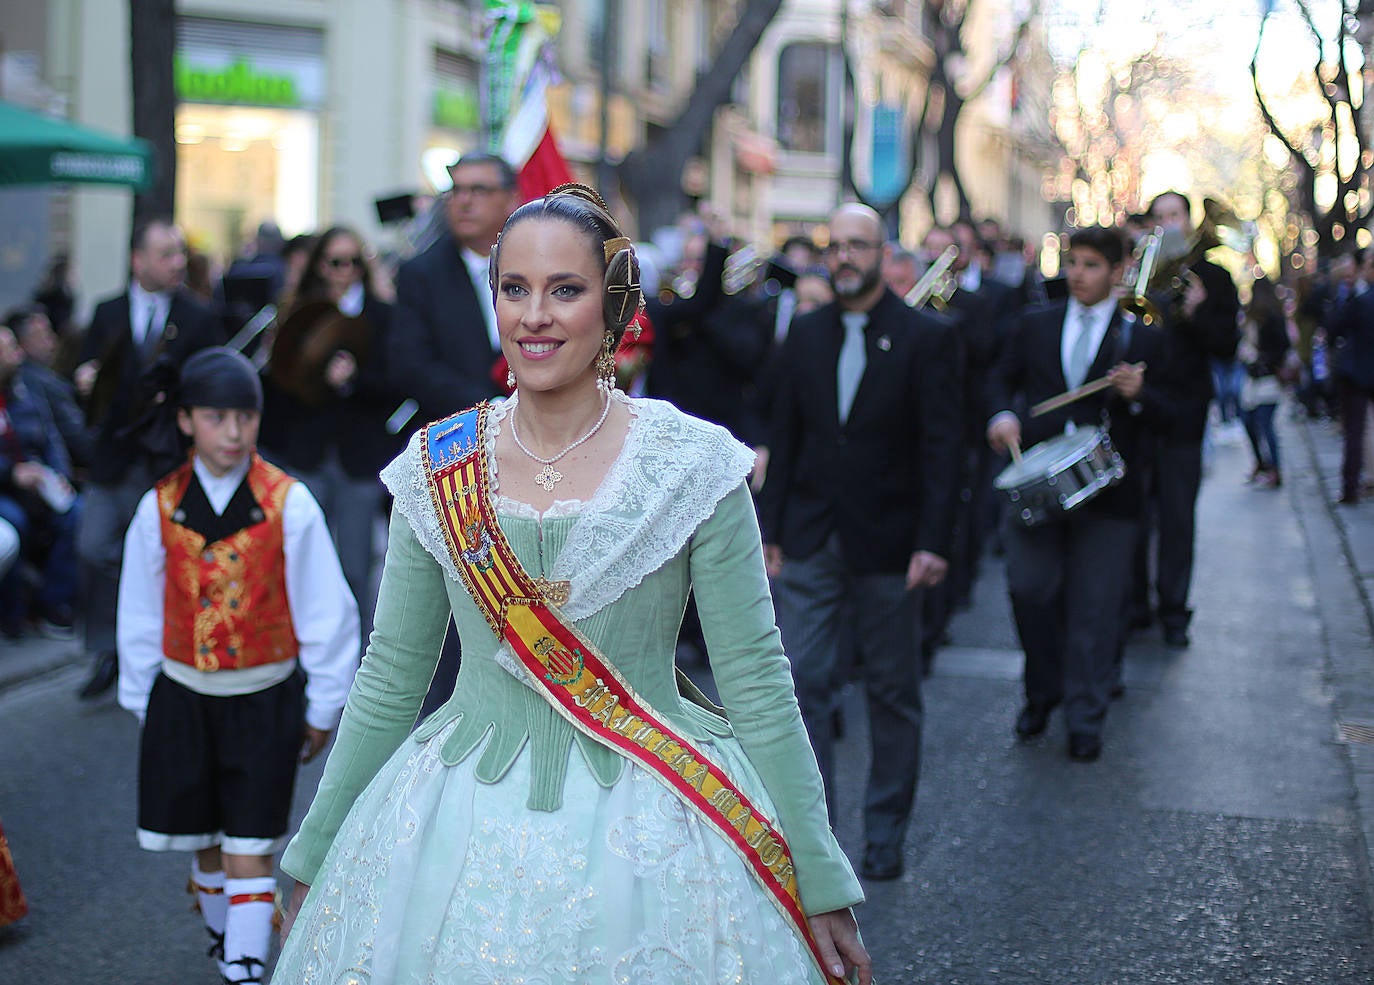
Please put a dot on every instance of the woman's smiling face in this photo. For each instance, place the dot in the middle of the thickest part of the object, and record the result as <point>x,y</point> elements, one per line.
<point>549,303</point>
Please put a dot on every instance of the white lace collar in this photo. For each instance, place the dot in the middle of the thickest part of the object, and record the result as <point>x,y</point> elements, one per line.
<point>667,480</point>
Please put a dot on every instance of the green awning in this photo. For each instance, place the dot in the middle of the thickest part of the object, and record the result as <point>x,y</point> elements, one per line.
<point>39,150</point>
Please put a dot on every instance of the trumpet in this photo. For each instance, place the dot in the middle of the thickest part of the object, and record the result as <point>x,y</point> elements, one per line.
<point>937,285</point>
<point>742,269</point>
<point>1143,263</point>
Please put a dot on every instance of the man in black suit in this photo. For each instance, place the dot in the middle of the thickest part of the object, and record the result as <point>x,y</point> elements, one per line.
<point>1068,578</point>
<point>443,328</point>
<point>1352,330</point>
<point>1200,326</point>
<point>132,353</point>
<point>856,512</point>
<point>443,325</point>
<point>980,309</point>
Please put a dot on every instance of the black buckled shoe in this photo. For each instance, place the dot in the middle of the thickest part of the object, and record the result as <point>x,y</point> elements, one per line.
<point>253,968</point>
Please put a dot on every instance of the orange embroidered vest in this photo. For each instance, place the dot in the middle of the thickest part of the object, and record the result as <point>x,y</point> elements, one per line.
<point>225,605</point>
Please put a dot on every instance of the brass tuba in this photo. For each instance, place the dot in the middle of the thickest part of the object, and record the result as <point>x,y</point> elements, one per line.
<point>1220,226</point>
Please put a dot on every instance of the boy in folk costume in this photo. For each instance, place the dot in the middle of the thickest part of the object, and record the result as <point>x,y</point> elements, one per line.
<point>229,584</point>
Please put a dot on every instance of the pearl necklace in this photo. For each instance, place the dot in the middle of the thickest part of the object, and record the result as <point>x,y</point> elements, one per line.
<point>548,476</point>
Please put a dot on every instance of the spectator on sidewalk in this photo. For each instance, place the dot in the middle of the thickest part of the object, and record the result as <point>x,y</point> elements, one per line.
<point>1354,369</point>
<point>1263,354</point>
<point>9,546</point>
<point>36,337</point>
<point>136,343</point>
<point>37,500</point>
<point>328,398</point>
<point>443,338</point>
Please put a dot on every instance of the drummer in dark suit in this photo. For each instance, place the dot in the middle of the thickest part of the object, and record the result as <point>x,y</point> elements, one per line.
<point>1068,577</point>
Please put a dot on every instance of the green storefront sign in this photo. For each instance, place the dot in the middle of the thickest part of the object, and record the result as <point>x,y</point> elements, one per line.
<point>238,83</point>
<point>456,109</point>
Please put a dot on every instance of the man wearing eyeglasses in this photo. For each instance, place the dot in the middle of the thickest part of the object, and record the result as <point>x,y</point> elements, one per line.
<point>856,512</point>
<point>443,335</point>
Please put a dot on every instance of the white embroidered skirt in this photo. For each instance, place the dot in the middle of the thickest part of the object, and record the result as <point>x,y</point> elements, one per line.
<point>437,878</point>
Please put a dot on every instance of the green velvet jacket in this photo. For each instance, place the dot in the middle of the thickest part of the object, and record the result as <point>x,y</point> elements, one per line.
<point>673,514</point>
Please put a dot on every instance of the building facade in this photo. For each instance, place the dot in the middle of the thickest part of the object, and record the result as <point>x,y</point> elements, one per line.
<point>307,112</point>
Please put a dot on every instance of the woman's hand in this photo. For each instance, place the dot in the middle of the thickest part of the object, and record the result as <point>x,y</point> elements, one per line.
<point>838,936</point>
<point>340,369</point>
<point>293,907</point>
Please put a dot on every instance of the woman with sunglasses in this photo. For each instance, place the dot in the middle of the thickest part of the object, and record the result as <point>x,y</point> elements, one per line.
<point>328,399</point>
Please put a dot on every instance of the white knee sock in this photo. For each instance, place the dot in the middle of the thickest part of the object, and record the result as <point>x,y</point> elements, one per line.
<point>248,929</point>
<point>209,890</point>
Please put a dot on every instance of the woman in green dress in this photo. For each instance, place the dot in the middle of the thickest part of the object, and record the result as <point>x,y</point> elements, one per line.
<point>496,842</point>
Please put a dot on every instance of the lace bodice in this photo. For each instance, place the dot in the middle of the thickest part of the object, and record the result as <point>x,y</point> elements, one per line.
<point>667,479</point>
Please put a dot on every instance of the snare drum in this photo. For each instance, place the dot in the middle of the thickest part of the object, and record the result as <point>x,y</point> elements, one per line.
<point>1057,476</point>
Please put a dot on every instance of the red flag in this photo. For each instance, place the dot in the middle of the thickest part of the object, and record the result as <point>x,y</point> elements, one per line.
<point>545,169</point>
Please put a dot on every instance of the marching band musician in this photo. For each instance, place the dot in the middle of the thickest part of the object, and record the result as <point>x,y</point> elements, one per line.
<point>980,309</point>
<point>1203,326</point>
<point>1068,578</point>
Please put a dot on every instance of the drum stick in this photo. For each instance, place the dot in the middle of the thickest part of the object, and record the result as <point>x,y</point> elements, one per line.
<point>1077,393</point>
<point>1015,448</point>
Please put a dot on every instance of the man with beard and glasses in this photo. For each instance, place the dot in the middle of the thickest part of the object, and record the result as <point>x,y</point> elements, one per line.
<point>856,512</point>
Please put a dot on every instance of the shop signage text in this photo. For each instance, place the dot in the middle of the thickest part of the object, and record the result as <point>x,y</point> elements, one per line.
<point>238,83</point>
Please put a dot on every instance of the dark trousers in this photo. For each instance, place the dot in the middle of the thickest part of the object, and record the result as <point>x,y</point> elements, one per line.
<point>1068,584</point>
<point>34,521</point>
<point>351,507</point>
<point>1178,476</point>
<point>1264,440</point>
<point>1354,408</point>
<point>109,508</point>
<point>814,597</point>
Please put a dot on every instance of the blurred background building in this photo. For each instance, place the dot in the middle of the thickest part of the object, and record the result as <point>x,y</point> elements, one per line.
<point>307,112</point>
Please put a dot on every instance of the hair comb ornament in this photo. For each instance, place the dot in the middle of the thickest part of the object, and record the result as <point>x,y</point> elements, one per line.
<point>579,190</point>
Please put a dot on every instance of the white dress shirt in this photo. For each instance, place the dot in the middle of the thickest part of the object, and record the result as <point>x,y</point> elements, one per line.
<point>323,612</point>
<point>479,270</point>
<point>1097,319</point>
<point>142,305</point>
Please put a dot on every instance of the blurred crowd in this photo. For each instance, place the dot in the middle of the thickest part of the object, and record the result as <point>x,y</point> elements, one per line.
<point>358,351</point>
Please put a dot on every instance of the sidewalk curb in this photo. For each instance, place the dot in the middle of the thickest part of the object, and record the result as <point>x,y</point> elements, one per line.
<point>1347,618</point>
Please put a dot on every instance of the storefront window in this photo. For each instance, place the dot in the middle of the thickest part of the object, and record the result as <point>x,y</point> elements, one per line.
<point>247,129</point>
<point>239,165</point>
<point>455,116</point>
<point>808,84</point>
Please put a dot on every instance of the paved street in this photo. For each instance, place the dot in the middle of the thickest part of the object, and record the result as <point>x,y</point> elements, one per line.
<point>1222,838</point>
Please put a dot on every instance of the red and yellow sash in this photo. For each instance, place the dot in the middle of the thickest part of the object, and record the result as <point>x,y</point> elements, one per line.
<point>576,678</point>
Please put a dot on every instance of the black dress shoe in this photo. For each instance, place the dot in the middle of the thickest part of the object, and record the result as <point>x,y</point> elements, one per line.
<point>102,678</point>
<point>1084,747</point>
<point>1032,721</point>
<point>1176,637</point>
<point>882,863</point>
